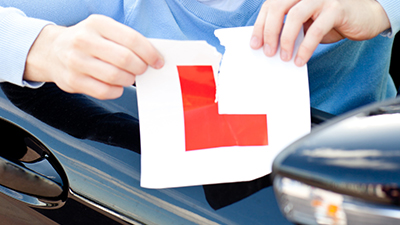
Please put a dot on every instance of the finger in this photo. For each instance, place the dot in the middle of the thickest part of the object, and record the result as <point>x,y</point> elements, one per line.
<point>133,40</point>
<point>314,35</point>
<point>274,23</point>
<point>272,32</point>
<point>102,71</point>
<point>256,41</point>
<point>296,17</point>
<point>116,55</point>
<point>80,83</point>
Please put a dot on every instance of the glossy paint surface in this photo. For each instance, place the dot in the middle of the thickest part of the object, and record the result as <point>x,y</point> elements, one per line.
<point>357,154</point>
<point>97,145</point>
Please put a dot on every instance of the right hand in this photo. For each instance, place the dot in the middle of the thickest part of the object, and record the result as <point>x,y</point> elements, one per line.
<point>97,57</point>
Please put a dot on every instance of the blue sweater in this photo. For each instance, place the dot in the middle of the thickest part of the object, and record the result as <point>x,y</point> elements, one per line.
<point>343,75</point>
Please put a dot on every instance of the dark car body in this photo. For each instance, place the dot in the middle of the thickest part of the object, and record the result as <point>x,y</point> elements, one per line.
<point>70,159</point>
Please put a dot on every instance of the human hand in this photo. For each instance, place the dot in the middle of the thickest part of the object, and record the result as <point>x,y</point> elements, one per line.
<point>97,57</point>
<point>324,21</point>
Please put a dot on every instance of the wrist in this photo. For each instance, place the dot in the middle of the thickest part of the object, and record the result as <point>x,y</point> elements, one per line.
<point>37,61</point>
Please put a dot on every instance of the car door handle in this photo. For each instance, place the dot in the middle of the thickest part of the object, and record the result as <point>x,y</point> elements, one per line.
<point>29,172</point>
<point>24,180</point>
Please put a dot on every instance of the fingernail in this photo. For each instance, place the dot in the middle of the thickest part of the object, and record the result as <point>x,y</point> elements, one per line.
<point>267,50</point>
<point>284,55</point>
<point>159,64</point>
<point>299,61</point>
<point>254,42</point>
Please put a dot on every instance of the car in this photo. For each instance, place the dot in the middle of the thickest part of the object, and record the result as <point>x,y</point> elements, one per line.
<point>71,159</point>
<point>346,171</point>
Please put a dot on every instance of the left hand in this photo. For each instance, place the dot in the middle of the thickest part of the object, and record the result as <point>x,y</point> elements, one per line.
<point>325,21</point>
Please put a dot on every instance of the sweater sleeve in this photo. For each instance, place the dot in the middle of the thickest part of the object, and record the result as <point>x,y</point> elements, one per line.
<point>392,9</point>
<point>17,34</point>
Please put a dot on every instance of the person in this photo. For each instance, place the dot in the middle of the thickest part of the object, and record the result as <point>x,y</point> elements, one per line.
<point>100,54</point>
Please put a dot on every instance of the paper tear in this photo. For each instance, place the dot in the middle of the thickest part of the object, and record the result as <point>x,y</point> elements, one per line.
<point>277,89</point>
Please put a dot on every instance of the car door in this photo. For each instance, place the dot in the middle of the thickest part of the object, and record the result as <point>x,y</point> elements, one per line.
<point>92,148</point>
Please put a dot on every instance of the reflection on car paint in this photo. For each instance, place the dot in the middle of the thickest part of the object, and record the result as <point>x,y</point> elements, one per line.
<point>97,144</point>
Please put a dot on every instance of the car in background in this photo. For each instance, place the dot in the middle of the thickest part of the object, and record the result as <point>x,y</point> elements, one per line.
<point>346,171</point>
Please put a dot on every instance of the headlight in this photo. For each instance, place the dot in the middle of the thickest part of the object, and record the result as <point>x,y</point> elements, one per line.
<point>305,204</point>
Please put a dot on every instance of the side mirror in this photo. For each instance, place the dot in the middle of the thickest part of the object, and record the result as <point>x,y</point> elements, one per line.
<point>347,171</point>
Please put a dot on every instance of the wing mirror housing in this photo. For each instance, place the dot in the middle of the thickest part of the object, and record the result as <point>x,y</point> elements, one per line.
<point>346,171</point>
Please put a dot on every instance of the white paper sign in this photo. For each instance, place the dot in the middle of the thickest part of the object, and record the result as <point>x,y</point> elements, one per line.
<point>187,138</point>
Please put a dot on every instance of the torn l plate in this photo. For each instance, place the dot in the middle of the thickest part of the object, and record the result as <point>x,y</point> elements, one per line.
<point>184,139</point>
